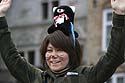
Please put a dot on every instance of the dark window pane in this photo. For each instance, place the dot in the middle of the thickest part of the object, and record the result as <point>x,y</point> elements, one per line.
<point>120,80</point>
<point>55,3</point>
<point>31,56</point>
<point>45,10</point>
<point>109,16</point>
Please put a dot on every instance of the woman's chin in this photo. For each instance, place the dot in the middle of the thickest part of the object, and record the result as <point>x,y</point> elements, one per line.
<point>56,69</point>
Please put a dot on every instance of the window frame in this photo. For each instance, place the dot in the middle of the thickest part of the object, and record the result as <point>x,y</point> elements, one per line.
<point>105,23</point>
<point>116,76</point>
<point>37,60</point>
<point>49,10</point>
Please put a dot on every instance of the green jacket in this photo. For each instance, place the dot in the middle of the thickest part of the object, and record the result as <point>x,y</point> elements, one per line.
<point>99,73</point>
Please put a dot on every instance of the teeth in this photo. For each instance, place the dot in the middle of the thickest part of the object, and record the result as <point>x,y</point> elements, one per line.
<point>54,62</point>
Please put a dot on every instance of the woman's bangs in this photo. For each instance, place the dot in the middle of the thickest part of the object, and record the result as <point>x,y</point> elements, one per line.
<point>58,39</point>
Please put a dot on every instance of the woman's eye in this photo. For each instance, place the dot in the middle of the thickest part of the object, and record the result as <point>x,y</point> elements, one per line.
<point>59,50</point>
<point>49,50</point>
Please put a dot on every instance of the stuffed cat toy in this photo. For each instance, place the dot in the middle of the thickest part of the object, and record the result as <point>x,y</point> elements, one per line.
<point>64,21</point>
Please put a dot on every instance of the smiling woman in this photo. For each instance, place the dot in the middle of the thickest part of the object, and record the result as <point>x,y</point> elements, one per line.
<point>60,50</point>
<point>60,44</point>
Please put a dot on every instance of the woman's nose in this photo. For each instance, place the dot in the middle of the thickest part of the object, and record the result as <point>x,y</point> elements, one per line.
<point>54,54</point>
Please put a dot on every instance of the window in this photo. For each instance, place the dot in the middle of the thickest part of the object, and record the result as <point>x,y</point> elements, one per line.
<point>55,3</point>
<point>45,10</point>
<point>120,80</point>
<point>47,7</point>
<point>117,78</point>
<point>107,25</point>
<point>32,56</point>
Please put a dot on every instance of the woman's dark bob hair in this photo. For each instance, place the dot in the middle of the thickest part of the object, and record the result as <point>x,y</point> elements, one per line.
<point>59,40</point>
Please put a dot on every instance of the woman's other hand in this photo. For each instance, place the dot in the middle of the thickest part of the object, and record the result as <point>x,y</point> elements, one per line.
<point>4,6</point>
<point>118,6</point>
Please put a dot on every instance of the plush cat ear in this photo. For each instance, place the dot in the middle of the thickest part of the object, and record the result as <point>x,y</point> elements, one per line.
<point>63,24</point>
<point>73,8</point>
<point>54,8</point>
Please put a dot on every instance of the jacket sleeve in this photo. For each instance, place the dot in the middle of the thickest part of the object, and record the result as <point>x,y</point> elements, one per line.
<point>17,65</point>
<point>114,56</point>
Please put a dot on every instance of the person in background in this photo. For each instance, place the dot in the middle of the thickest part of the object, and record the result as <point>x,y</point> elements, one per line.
<point>60,50</point>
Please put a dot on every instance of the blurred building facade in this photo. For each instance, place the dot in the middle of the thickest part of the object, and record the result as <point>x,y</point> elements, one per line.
<point>29,20</point>
<point>99,23</point>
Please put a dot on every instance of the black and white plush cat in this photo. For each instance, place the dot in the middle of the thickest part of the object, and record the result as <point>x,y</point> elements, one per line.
<point>64,21</point>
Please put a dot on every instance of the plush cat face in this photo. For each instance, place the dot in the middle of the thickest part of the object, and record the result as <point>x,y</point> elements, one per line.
<point>63,13</point>
<point>63,18</point>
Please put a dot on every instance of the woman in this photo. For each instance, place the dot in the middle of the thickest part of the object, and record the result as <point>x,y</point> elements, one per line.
<point>60,51</point>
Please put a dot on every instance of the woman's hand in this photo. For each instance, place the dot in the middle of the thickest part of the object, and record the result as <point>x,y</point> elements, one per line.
<point>118,6</point>
<point>4,6</point>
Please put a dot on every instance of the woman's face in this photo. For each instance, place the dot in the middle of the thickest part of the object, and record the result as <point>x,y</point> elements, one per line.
<point>56,58</point>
